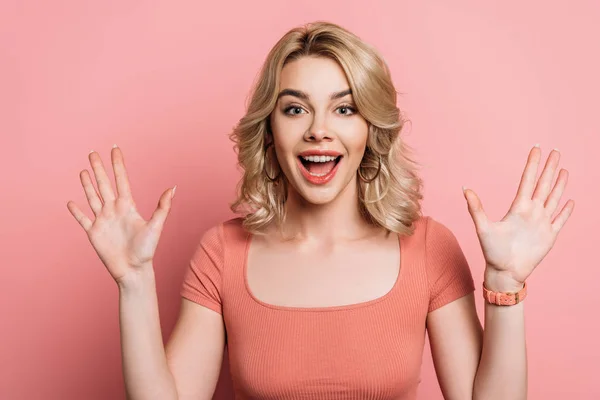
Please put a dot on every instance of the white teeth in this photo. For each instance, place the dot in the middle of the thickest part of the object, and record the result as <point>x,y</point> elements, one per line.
<point>319,158</point>
<point>317,174</point>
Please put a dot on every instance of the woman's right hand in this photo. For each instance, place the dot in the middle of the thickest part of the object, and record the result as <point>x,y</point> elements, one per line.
<point>123,240</point>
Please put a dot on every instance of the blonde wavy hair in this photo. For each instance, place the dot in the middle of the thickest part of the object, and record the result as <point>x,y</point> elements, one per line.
<point>392,198</point>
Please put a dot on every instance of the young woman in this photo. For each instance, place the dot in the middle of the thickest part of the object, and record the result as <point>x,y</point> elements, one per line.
<point>326,285</point>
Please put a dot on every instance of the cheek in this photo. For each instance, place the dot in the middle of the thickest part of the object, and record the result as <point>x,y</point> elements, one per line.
<point>281,129</point>
<point>284,152</point>
<point>286,135</point>
<point>284,146</point>
<point>356,141</point>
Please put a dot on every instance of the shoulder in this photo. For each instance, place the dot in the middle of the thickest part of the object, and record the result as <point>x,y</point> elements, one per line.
<point>233,224</point>
<point>429,230</point>
<point>217,240</point>
<point>223,234</point>
<point>438,231</point>
<point>442,250</point>
<point>436,241</point>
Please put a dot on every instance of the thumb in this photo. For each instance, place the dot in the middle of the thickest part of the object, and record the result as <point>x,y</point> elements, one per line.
<point>476,210</point>
<point>157,221</point>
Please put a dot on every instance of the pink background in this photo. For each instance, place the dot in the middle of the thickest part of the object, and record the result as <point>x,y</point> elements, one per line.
<point>168,80</point>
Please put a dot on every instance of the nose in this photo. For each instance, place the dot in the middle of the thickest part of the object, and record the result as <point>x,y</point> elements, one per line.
<point>318,131</point>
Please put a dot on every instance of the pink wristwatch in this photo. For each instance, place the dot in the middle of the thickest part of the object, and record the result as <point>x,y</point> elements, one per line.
<point>505,299</point>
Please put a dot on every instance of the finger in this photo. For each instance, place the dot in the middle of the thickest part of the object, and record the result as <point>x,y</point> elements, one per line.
<point>101,177</point>
<point>90,192</point>
<point>563,216</point>
<point>529,175</point>
<point>545,182</point>
<point>159,216</point>
<point>557,192</point>
<point>83,220</point>
<point>476,210</point>
<point>121,179</point>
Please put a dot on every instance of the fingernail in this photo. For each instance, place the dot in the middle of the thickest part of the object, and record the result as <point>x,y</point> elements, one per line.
<point>537,145</point>
<point>173,192</point>
<point>90,152</point>
<point>114,146</point>
<point>464,188</point>
<point>555,149</point>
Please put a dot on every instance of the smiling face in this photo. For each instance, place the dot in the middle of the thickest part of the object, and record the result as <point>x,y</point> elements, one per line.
<point>319,136</point>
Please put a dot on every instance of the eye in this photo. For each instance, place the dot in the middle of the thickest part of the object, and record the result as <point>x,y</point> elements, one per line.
<point>349,109</point>
<point>295,108</point>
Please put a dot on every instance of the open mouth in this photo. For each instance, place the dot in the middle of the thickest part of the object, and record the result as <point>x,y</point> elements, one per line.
<point>319,166</point>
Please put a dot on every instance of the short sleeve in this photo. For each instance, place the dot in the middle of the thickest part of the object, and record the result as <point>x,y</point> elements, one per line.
<point>202,281</point>
<point>448,272</point>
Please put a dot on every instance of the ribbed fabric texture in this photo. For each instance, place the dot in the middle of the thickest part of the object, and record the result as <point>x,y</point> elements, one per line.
<point>371,350</point>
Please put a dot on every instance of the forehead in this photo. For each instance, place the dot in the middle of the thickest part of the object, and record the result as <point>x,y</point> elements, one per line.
<point>316,76</point>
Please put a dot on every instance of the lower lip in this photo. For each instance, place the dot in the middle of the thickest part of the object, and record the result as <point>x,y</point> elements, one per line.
<point>318,180</point>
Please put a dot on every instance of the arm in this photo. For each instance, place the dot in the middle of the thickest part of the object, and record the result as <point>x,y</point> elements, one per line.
<point>502,370</point>
<point>512,247</point>
<point>472,363</point>
<point>455,333</point>
<point>195,351</point>
<point>145,368</point>
<point>187,368</point>
<point>456,337</point>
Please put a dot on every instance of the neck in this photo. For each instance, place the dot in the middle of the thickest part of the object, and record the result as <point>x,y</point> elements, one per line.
<point>338,219</point>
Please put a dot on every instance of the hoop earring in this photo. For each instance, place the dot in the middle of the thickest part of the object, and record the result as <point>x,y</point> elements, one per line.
<point>265,167</point>
<point>361,176</point>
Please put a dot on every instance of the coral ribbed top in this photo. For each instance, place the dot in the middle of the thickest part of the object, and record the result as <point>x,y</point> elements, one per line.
<point>370,350</point>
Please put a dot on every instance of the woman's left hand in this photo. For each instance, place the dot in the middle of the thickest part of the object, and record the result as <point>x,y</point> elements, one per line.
<point>515,245</point>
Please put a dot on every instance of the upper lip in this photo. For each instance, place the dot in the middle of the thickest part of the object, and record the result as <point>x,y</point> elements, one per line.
<point>320,152</point>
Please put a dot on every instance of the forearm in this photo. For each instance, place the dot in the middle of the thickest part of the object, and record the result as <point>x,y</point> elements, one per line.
<point>145,368</point>
<point>502,372</point>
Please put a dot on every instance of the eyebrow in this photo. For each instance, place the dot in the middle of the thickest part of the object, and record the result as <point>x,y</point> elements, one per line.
<point>304,96</point>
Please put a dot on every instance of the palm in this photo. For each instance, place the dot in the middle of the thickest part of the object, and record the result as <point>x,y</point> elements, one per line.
<point>123,237</point>
<point>516,244</point>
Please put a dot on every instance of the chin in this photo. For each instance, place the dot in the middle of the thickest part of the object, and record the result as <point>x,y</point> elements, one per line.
<point>319,196</point>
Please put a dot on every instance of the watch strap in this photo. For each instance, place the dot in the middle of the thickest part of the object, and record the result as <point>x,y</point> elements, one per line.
<point>504,298</point>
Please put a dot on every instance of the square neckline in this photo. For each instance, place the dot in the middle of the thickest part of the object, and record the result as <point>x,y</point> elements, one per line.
<point>344,307</point>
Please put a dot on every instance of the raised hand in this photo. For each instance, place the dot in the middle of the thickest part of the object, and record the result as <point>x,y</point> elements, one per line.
<point>123,240</point>
<point>515,245</point>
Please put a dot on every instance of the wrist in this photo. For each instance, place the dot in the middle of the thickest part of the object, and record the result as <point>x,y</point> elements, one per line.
<point>137,279</point>
<point>498,281</point>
